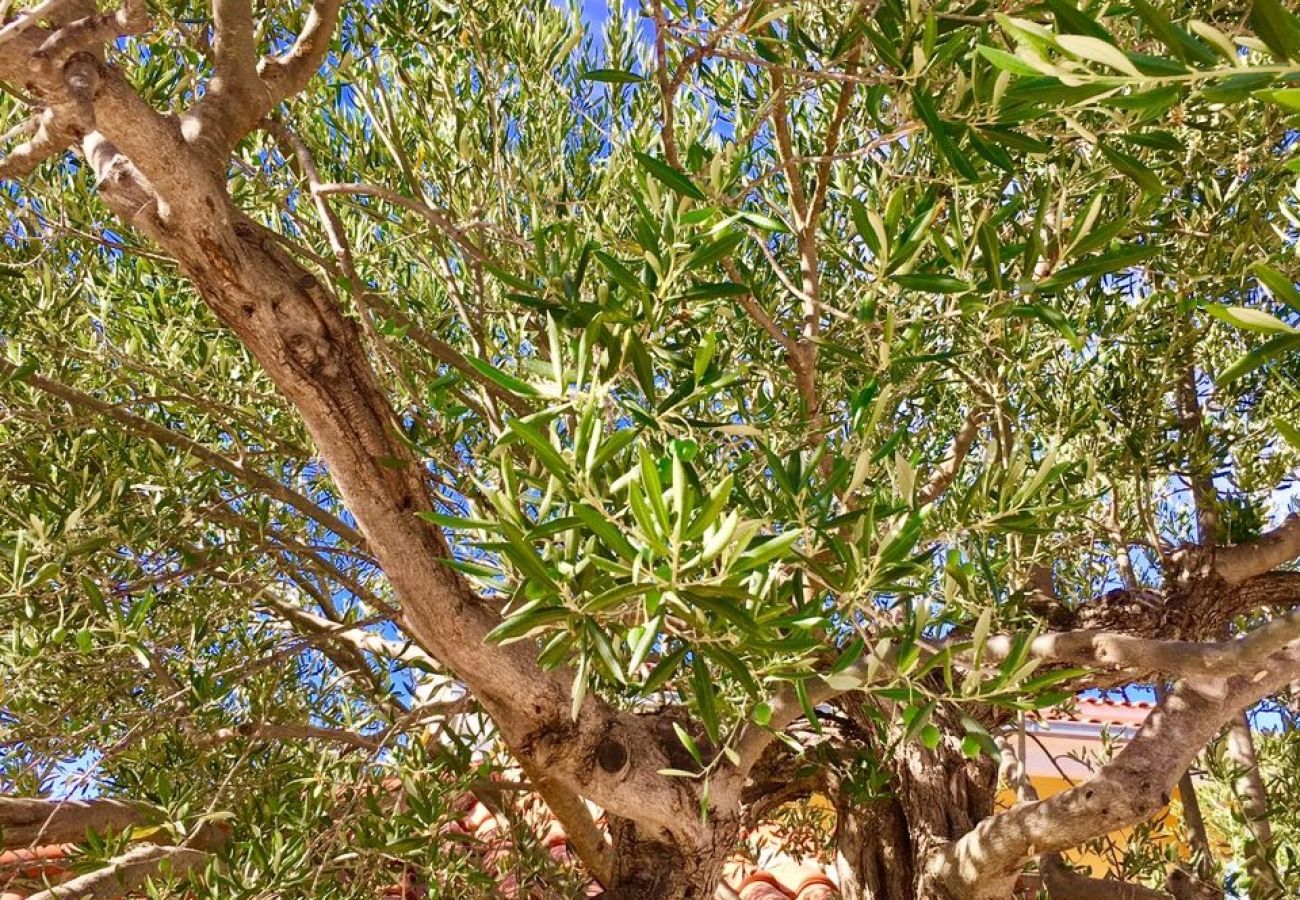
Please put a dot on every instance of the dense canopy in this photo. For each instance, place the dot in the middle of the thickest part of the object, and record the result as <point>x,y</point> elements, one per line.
<point>676,409</point>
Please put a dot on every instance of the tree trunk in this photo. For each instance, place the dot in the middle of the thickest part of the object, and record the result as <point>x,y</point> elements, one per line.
<point>647,867</point>
<point>937,796</point>
<point>873,851</point>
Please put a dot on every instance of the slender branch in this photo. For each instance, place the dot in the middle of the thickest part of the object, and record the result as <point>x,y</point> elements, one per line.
<point>946,472</point>
<point>756,312</point>
<point>840,114</point>
<point>435,217</point>
<point>667,87</point>
<point>785,143</point>
<point>275,731</point>
<point>1183,885</point>
<point>787,707</point>
<point>333,226</point>
<point>806,238</point>
<point>584,835</point>
<point>1123,561</point>
<point>1253,798</point>
<point>1235,563</point>
<point>1191,425</point>
<point>358,638</point>
<point>147,428</point>
<point>344,645</point>
<point>234,49</point>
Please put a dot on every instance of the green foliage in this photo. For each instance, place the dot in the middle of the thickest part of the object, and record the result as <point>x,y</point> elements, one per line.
<point>1278,751</point>
<point>1046,220</point>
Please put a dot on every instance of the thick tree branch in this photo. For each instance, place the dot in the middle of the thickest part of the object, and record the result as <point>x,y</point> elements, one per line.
<point>294,327</point>
<point>52,133</point>
<point>234,48</point>
<point>56,67</point>
<point>584,835</point>
<point>1199,839</point>
<point>126,873</point>
<point>236,97</point>
<point>145,159</point>
<point>1238,562</point>
<point>787,707</point>
<point>1211,666</point>
<point>90,32</point>
<point>46,9</point>
<point>1185,659</point>
<point>242,90</point>
<point>983,864</point>
<point>288,74</point>
<point>28,821</point>
<point>1063,883</point>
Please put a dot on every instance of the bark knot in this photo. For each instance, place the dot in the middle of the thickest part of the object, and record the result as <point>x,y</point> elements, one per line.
<point>308,351</point>
<point>611,755</point>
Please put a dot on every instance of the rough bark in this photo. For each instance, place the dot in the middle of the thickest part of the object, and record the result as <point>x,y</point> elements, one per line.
<point>647,867</point>
<point>937,795</point>
<point>166,177</point>
<point>873,852</point>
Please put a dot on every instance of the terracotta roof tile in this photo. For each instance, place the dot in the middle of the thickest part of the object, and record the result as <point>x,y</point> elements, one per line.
<point>1099,711</point>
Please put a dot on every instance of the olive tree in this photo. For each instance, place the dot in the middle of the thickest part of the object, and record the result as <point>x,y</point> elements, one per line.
<point>695,406</point>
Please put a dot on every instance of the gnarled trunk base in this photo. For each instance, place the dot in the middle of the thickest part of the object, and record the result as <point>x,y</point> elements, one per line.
<point>654,868</point>
<point>873,851</point>
<point>937,796</point>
